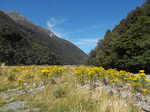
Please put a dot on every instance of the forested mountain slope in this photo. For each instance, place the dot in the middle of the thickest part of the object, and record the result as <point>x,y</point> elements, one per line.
<point>127,46</point>
<point>22,42</point>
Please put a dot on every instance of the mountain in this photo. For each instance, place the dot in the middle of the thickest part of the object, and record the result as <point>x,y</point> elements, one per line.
<point>22,42</point>
<point>127,46</point>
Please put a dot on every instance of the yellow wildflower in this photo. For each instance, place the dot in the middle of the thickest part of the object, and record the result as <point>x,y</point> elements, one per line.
<point>141,71</point>
<point>145,91</point>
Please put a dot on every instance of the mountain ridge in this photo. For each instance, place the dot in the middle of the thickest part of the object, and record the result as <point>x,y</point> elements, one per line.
<point>67,52</point>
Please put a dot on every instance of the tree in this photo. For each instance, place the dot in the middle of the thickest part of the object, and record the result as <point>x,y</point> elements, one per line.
<point>127,46</point>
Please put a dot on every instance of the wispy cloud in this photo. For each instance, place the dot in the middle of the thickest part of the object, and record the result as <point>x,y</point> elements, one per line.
<point>50,25</point>
<point>53,25</point>
<point>56,25</point>
<point>87,43</point>
<point>52,22</point>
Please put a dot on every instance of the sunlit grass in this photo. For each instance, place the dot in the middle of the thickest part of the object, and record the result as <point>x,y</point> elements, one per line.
<point>64,89</point>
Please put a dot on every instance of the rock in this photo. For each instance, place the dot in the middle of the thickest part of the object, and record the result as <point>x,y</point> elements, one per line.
<point>146,108</point>
<point>148,76</point>
<point>14,106</point>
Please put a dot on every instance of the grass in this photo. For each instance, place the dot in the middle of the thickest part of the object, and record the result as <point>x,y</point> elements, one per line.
<point>2,102</point>
<point>61,93</point>
<point>69,97</point>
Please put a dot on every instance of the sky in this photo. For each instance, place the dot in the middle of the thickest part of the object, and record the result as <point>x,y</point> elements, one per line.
<point>83,22</point>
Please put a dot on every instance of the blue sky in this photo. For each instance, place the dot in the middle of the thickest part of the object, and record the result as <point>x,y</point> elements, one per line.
<point>82,22</point>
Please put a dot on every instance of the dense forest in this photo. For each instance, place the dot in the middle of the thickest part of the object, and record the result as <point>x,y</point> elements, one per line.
<point>16,48</point>
<point>127,46</point>
<point>24,43</point>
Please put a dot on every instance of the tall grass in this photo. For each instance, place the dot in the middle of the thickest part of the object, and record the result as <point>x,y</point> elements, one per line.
<point>63,93</point>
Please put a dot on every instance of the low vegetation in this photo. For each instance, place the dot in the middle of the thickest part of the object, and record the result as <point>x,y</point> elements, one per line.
<point>68,89</point>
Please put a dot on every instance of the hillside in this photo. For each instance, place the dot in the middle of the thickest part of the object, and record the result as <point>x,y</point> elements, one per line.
<point>22,42</point>
<point>127,46</point>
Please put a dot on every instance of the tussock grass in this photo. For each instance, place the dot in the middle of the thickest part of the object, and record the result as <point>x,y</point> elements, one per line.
<point>65,93</point>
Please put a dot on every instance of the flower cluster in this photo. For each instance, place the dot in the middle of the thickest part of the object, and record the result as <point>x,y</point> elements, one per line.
<point>29,75</point>
<point>138,82</point>
<point>52,71</point>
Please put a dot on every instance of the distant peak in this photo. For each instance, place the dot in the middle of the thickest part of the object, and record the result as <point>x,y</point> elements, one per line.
<point>16,16</point>
<point>24,21</point>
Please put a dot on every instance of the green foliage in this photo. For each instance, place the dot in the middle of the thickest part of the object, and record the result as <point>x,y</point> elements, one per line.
<point>18,48</point>
<point>22,42</point>
<point>127,46</point>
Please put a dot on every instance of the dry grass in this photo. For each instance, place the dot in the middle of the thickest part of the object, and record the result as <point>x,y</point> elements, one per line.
<point>66,94</point>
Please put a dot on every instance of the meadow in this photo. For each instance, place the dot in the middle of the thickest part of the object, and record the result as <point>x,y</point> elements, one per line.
<point>71,89</point>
